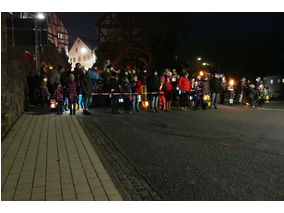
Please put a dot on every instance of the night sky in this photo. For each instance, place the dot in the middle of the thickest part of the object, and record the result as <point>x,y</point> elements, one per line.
<point>240,43</point>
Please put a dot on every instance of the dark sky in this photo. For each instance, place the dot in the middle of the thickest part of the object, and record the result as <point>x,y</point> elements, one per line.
<point>239,42</point>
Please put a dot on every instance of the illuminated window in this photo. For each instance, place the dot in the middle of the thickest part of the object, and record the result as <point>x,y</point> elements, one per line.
<point>271,81</point>
<point>283,80</point>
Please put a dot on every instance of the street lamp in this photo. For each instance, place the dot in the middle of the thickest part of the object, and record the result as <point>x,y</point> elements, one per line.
<point>199,59</point>
<point>39,16</point>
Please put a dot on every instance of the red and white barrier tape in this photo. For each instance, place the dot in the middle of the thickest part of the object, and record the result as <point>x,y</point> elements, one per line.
<point>125,93</point>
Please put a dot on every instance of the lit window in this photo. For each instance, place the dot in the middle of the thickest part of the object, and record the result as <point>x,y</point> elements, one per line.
<point>271,81</point>
<point>283,80</point>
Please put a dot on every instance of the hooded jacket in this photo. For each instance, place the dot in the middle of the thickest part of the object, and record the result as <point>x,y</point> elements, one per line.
<point>184,84</point>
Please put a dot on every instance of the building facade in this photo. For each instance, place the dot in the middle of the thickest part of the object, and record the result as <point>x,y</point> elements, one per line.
<point>83,52</point>
<point>57,32</point>
<point>275,86</point>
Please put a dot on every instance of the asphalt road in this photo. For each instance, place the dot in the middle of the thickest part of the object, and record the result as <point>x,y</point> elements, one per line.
<point>233,153</point>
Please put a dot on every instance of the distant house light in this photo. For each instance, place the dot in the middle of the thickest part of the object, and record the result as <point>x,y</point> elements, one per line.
<point>271,81</point>
<point>283,80</point>
<point>83,50</point>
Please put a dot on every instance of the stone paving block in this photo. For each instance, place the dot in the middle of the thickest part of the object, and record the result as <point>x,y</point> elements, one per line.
<point>53,198</point>
<point>24,187</point>
<point>98,191</point>
<point>94,182</point>
<point>39,182</point>
<point>68,187</point>
<point>101,198</point>
<point>38,189</point>
<point>78,179</point>
<point>91,173</point>
<point>66,180</point>
<point>104,177</point>
<point>53,177</point>
<point>82,188</point>
<point>7,194</point>
<point>22,195</point>
<point>38,197</point>
<point>12,178</point>
<point>26,177</point>
<point>53,186</point>
<point>10,184</point>
<point>85,197</point>
<point>115,197</point>
<point>69,195</point>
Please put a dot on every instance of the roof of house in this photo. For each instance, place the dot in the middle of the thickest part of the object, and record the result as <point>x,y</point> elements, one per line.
<point>91,43</point>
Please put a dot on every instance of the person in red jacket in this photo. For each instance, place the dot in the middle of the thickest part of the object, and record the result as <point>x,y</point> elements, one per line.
<point>168,89</point>
<point>184,87</point>
<point>136,88</point>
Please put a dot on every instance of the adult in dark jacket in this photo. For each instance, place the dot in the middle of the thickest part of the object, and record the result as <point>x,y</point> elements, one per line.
<point>224,89</point>
<point>251,94</point>
<point>72,93</point>
<point>153,85</point>
<point>205,86</point>
<point>126,88</point>
<point>87,89</point>
<point>54,78</point>
<point>78,72</point>
<point>241,89</point>
<point>114,87</point>
<point>215,86</point>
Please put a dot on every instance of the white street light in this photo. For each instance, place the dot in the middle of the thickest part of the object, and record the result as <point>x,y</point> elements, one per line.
<point>204,64</point>
<point>199,59</point>
<point>40,16</point>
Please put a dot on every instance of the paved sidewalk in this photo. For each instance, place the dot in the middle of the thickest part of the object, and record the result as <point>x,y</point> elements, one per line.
<point>49,157</point>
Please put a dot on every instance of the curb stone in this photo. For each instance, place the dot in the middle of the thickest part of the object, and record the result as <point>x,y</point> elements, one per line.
<point>129,180</point>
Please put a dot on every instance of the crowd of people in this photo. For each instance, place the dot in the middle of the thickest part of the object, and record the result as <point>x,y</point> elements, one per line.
<point>74,89</point>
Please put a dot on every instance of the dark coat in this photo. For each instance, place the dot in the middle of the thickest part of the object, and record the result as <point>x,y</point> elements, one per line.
<point>215,85</point>
<point>126,87</point>
<point>153,84</point>
<point>86,85</point>
<point>113,85</point>
<point>205,86</point>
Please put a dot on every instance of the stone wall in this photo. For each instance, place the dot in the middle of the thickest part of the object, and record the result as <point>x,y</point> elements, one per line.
<point>13,93</point>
